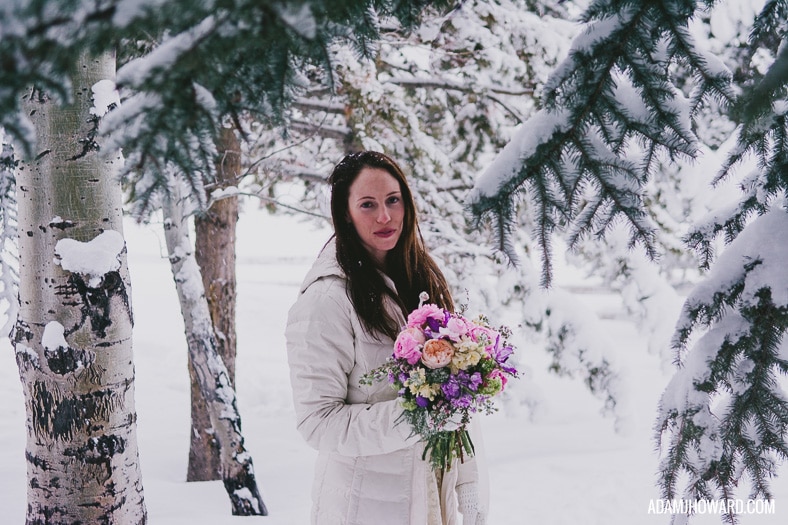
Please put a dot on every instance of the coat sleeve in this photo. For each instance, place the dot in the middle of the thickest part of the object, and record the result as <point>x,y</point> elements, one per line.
<point>320,353</point>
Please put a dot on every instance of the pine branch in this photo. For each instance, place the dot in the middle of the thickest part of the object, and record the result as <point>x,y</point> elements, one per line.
<point>770,21</point>
<point>738,360</point>
<point>9,260</point>
<point>616,61</point>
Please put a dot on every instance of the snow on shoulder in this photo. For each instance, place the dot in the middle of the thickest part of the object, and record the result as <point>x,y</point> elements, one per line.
<point>93,259</point>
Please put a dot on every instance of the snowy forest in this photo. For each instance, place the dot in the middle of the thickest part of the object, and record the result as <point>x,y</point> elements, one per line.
<point>605,177</point>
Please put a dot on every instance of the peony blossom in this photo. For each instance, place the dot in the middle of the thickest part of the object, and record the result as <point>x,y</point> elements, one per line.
<point>408,345</point>
<point>429,311</point>
<point>437,353</point>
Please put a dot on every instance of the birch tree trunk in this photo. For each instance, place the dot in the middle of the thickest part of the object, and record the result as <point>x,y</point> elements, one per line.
<point>73,332</point>
<point>214,250</point>
<point>211,374</point>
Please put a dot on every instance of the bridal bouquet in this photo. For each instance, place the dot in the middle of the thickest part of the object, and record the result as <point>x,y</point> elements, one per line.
<point>445,368</point>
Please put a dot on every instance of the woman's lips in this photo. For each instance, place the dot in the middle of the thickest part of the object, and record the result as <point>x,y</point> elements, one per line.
<point>385,233</point>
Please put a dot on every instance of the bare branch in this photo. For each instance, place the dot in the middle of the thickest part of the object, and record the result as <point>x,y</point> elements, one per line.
<point>329,132</point>
<point>310,104</point>
<point>439,83</point>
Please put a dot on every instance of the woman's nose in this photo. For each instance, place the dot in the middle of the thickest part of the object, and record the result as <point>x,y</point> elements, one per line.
<point>383,216</point>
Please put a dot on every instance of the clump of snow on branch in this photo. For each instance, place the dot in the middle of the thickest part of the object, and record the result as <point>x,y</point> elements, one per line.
<point>755,257</point>
<point>53,338</point>
<point>93,259</point>
<point>189,273</point>
<point>536,131</point>
<point>105,97</point>
<point>23,351</point>
<point>138,71</point>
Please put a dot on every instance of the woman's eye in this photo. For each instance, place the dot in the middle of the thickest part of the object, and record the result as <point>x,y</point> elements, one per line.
<point>366,204</point>
<point>393,200</point>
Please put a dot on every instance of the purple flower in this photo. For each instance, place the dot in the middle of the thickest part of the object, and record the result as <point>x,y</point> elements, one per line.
<point>474,381</point>
<point>509,370</point>
<point>434,325</point>
<point>502,354</point>
<point>462,401</point>
<point>422,401</point>
<point>451,389</point>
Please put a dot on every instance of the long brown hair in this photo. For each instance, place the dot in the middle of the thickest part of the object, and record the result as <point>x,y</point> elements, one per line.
<point>408,264</point>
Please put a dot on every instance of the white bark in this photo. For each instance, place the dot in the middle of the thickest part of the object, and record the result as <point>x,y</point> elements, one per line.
<point>211,374</point>
<point>82,456</point>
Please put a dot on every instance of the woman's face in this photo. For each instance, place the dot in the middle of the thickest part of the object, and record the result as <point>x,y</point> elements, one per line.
<point>376,211</point>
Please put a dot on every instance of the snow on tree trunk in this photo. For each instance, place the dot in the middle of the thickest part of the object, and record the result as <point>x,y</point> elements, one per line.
<point>215,254</point>
<point>209,369</point>
<point>73,331</point>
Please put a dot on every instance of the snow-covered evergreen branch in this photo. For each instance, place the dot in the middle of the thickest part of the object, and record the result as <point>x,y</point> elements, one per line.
<point>724,415</point>
<point>765,138</point>
<point>577,160</point>
<point>208,64</point>
<point>9,261</point>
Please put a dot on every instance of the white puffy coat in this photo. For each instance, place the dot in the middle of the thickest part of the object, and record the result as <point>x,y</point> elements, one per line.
<point>369,469</point>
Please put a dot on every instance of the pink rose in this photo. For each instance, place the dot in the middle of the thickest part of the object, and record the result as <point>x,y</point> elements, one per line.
<point>437,353</point>
<point>455,328</point>
<point>419,316</point>
<point>408,343</point>
<point>481,333</point>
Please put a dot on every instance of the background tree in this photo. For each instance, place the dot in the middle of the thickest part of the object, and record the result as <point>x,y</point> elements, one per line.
<point>212,65</point>
<point>73,333</point>
<point>615,109</point>
<point>206,364</point>
<point>214,252</point>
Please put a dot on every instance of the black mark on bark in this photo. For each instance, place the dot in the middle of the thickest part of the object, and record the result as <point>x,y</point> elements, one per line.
<point>89,142</point>
<point>46,515</point>
<point>43,154</point>
<point>62,224</point>
<point>25,358</point>
<point>59,417</point>
<point>96,302</point>
<point>64,360</point>
<point>99,451</point>
<point>39,462</point>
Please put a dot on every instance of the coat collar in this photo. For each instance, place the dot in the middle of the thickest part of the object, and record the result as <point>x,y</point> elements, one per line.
<point>326,266</point>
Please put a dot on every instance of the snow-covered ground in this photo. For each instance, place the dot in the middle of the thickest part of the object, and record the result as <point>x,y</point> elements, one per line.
<point>561,463</point>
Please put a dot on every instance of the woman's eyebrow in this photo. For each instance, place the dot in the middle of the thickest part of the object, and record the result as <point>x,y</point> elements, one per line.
<point>395,192</point>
